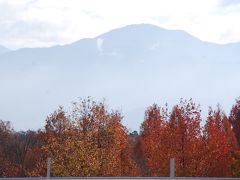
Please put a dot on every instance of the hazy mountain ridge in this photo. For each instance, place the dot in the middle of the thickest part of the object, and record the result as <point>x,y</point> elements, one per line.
<point>132,67</point>
<point>132,40</point>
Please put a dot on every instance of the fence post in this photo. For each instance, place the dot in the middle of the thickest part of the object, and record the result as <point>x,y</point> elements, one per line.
<point>48,167</point>
<point>172,174</point>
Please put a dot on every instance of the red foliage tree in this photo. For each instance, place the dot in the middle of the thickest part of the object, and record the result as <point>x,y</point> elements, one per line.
<point>184,138</point>
<point>175,135</point>
<point>219,145</point>
<point>235,119</point>
<point>152,142</point>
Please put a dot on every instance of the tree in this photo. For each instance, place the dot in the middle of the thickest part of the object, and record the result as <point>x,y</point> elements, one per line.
<point>8,168</point>
<point>235,119</point>
<point>176,135</point>
<point>219,145</point>
<point>235,166</point>
<point>152,142</point>
<point>89,141</point>
<point>184,138</point>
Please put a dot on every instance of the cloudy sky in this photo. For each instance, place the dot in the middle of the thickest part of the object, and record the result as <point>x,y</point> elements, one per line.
<point>40,23</point>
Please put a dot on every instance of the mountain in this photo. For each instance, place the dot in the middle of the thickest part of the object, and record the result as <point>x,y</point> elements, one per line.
<point>131,67</point>
<point>3,50</point>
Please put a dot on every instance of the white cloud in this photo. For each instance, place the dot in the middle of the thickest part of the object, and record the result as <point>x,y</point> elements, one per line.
<point>31,23</point>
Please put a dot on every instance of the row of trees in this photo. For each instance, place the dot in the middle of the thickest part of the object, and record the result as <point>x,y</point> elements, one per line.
<point>90,140</point>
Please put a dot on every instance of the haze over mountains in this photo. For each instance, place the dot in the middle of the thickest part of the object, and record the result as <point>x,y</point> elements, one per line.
<point>131,67</point>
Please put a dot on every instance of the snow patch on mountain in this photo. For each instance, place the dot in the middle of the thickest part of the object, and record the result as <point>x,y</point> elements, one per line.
<point>100,45</point>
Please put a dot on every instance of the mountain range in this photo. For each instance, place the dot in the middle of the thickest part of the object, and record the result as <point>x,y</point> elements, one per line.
<point>131,67</point>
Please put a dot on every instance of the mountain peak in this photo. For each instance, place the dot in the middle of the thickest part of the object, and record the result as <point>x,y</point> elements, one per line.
<point>134,28</point>
<point>147,32</point>
<point>144,26</point>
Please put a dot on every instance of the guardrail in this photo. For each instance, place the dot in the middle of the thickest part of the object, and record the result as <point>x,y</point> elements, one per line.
<point>172,176</point>
<point>116,178</point>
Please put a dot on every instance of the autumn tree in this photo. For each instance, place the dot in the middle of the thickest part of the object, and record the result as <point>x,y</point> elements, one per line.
<point>176,135</point>
<point>235,119</point>
<point>88,141</point>
<point>235,166</point>
<point>152,142</point>
<point>184,138</point>
<point>219,144</point>
<point>8,166</point>
<point>235,122</point>
<point>23,153</point>
<point>56,144</point>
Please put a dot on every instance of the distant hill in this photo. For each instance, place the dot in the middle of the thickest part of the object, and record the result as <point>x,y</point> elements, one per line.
<point>132,67</point>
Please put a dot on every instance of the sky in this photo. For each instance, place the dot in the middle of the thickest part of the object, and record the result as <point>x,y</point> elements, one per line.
<point>44,23</point>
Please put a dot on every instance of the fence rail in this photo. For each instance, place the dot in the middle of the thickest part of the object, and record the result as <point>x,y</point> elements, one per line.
<point>172,176</point>
<point>116,178</point>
